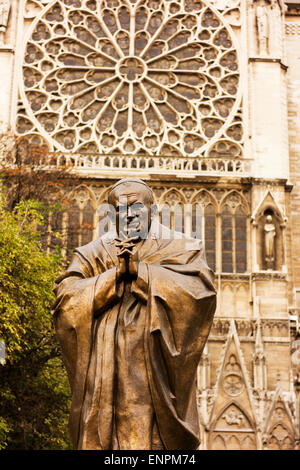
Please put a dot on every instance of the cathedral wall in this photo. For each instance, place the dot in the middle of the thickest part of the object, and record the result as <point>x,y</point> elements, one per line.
<point>278,356</point>
<point>293,75</point>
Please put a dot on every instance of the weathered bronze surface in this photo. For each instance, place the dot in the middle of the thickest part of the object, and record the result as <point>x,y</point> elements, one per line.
<point>133,313</point>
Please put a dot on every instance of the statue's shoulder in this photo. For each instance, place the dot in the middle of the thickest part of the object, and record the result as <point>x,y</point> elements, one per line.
<point>93,249</point>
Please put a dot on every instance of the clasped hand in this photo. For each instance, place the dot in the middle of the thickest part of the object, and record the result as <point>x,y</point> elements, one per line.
<point>128,264</point>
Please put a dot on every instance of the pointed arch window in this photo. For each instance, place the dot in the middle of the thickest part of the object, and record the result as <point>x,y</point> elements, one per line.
<point>232,430</point>
<point>73,226</point>
<point>81,217</point>
<point>204,228</point>
<point>165,215</point>
<point>210,235</point>
<point>234,240</point>
<point>240,240</point>
<point>177,218</point>
<point>227,240</point>
<point>173,216</point>
<point>197,221</point>
<point>200,220</point>
<point>87,224</point>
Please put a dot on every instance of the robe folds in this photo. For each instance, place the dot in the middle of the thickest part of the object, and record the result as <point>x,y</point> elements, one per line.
<point>170,305</point>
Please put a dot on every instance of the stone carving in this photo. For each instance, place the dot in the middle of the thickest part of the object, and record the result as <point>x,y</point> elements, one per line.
<point>4,15</point>
<point>280,439</point>
<point>130,77</point>
<point>220,327</point>
<point>269,242</point>
<point>233,417</point>
<point>275,328</point>
<point>280,5</point>
<point>233,385</point>
<point>232,430</point>
<point>262,22</point>
<point>128,392</point>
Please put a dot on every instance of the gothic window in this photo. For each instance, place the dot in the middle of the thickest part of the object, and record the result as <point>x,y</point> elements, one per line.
<point>240,240</point>
<point>165,215</point>
<point>197,221</point>
<point>210,236</point>
<point>204,228</point>
<point>227,241</point>
<point>177,218</point>
<point>103,220</point>
<point>73,226</point>
<point>234,240</point>
<point>173,216</point>
<point>87,225</point>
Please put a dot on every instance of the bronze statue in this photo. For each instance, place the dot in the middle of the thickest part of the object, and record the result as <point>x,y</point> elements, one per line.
<point>133,313</point>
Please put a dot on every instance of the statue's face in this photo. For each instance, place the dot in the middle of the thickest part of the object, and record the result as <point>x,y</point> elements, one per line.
<point>132,203</point>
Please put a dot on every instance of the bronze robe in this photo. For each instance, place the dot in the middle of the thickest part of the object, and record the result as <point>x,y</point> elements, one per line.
<point>170,306</point>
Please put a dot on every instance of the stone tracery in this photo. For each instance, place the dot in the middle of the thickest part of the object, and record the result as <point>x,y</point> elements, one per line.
<point>133,77</point>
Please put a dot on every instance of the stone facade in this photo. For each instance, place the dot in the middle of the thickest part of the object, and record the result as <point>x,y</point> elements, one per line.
<point>201,100</point>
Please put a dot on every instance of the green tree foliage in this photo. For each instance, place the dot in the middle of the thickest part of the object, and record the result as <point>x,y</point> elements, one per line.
<point>34,390</point>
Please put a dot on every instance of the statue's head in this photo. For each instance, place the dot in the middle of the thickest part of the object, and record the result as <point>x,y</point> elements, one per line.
<point>133,201</point>
<point>269,218</point>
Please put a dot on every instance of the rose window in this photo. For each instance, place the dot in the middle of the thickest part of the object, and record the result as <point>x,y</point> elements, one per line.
<point>131,76</point>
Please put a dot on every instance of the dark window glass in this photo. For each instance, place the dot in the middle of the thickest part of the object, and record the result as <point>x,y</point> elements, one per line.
<point>178,223</point>
<point>241,240</point>
<point>210,236</point>
<point>227,245</point>
<point>227,267</point>
<point>73,226</point>
<point>165,216</point>
<point>227,240</point>
<point>197,221</point>
<point>56,228</point>
<point>87,226</point>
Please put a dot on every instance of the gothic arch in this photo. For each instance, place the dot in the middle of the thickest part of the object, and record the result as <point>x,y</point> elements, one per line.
<point>104,195</point>
<point>279,428</point>
<point>242,299</point>
<point>164,197</point>
<point>233,429</point>
<point>234,212</point>
<point>75,193</point>
<point>235,404</point>
<point>268,202</point>
<point>279,438</point>
<point>80,217</point>
<point>200,196</point>
<point>234,203</point>
<point>227,300</point>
